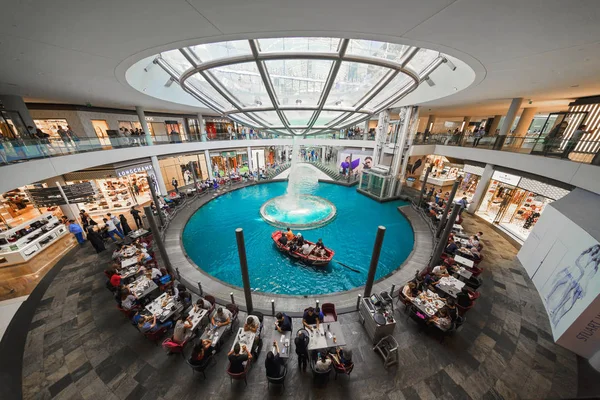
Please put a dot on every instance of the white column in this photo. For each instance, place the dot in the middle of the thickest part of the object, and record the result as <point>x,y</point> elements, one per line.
<point>463,129</point>
<point>383,125</point>
<point>142,118</point>
<point>322,159</point>
<point>430,123</point>
<point>203,136</point>
<point>208,164</point>
<point>250,161</point>
<point>481,188</point>
<point>366,129</point>
<point>71,211</point>
<point>412,131</point>
<point>158,173</point>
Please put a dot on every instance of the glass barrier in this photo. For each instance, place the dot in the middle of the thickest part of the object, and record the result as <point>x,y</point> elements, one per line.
<point>583,151</point>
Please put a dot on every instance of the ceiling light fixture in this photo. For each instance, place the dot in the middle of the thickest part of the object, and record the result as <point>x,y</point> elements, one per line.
<point>169,82</point>
<point>149,66</point>
<point>450,64</point>
<point>430,82</point>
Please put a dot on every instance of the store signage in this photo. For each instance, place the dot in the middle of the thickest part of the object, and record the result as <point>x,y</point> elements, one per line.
<point>136,169</point>
<point>149,119</point>
<point>46,197</point>
<point>509,179</point>
<point>80,192</point>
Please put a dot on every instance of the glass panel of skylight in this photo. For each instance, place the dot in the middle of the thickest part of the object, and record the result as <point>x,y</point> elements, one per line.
<point>372,48</point>
<point>352,82</point>
<point>298,82</point>
<point>300,44</point>
<point>244,82</point>
<point>216,51</point>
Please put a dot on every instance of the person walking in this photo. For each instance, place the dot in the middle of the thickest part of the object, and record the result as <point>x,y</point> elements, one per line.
<point>64,136</point>
<point>111,229</point>
<point>478,134</point>
<point>76,230</point>
<point>136,217</point>
<point>95,239</point>
<point>124,224</point>
<point>175,184</point>
<point>115,221</point>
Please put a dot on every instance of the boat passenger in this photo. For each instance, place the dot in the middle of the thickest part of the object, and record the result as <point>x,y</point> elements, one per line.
<point>299,240</point>
<point>283,240</point>
<point>289,234</point>
<point>306,249</point>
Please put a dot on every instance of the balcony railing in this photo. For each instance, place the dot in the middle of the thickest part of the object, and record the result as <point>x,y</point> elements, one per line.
<point>582,151</point>
<point>19,150</point>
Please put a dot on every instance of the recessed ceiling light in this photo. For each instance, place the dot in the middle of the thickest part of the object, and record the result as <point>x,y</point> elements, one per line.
<point>455,88</point>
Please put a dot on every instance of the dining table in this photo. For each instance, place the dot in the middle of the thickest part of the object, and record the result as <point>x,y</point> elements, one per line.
<point>463,273</point>
<point>464,261</point>
<point>138,233</point>
<point>244,338</point>
<point>196,316</point>
<point>214,333</point>
<point>128,262</point>
<point>128,272</point>
<point>164,307</point>
<point>450,285</point>
<point>428,303</point>
<point>284,342</point>
<point>142,287</point>
<point>328,335</point>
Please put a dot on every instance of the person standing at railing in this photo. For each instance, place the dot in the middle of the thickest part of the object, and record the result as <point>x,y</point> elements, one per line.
<point>477,135</point>
<point>64,136</point>
<point>573,140</point>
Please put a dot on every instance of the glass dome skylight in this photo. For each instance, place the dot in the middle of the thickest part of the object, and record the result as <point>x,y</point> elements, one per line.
<point>299,86</point>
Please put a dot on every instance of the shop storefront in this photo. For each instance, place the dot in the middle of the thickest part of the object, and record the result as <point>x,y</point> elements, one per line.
<point>515,203</point>
<point>220,129</point>
<point>471,175</point>
<point>17,208</point>
<point>118,188</point>
<point>227,162</point>
<point>180,168</point>
<point>443,172</point>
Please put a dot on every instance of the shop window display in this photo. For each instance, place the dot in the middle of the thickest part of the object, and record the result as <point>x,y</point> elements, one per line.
<point>16,208</point>
<point>512,208</point>
<point>118,194</point>
<point>50,126</point>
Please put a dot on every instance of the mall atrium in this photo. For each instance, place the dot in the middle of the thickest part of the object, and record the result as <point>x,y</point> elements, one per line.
<point>310,200</point>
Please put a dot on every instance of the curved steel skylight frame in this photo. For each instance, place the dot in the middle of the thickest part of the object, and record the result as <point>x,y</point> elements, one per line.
<point>225,101</point>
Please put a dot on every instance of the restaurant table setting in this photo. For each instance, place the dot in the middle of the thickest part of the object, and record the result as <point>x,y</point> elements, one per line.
<point>463,273</point>
<point>328,335</point>
<point>214,333</point>
<point>128,272</point>
<point>464,261</point>
<point>244,338</point>
<point>164,307</point>
<point>138,233</point>
<point>196,315</point>
<point>142,287</point>
<point>428,303</point>
<point>129,251</point>
<point>283,340</point>
<point>128,262</point>
<point>450,285</point>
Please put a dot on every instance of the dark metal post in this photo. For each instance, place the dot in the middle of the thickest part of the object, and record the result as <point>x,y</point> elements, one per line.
<point>273,307</point>
<point>231,297</point>
<point>200,288</point>
<point>317,303</point>
<point>447,208</point>
<point>437,255</point>
<point>374,260</point>
<point>392,291</point>
<point>423,187</point>
<point>239,235</point>
<point>157,238</point>
<point>358,300</point>
<point>155,199</point>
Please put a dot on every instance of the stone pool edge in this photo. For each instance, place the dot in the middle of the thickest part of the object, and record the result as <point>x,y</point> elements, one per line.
<point>191,274</point>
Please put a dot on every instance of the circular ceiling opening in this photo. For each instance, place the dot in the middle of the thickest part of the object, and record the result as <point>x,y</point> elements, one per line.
<point>296,86</point>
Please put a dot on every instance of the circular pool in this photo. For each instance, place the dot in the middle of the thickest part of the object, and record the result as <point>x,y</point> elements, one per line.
<point>304,211</point>
<point>209,240</point>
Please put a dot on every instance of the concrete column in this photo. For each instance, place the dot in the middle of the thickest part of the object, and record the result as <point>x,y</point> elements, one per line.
<point>441,245</point>
<point>322,159</point>
<point>515,104</point>
<point>157,238</point>
<point>480,189</point>
<point>239,236</point>
<point>525,121</point>
<point>203,135</point>
<point>374,261</point>
<point>159,178</point>
<point>142,118</point>
<point>16,103</point>
<point>366,129</point>
<point>495,122</point>
<point>250,161</point>
<point>430,123</point>
<point>208,164</point>
<point>465,126</point>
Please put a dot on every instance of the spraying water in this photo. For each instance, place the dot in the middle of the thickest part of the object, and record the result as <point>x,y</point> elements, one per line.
<point>296,208</point>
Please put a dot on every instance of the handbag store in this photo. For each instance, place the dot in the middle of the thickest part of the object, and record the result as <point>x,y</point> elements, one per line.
<point>119,188</point>
<point>515,203</point>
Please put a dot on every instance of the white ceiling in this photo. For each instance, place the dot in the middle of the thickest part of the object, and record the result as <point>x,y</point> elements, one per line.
<point>76,51</point>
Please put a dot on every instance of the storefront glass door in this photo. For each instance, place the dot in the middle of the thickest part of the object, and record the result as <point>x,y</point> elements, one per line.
<point>558,125</point>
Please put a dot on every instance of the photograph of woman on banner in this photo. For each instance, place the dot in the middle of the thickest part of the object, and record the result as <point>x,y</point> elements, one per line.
<point>570,284</point>
<point>350,163</point>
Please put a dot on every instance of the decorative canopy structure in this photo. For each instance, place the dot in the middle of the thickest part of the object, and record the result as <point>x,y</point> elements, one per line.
<point>299,86</point>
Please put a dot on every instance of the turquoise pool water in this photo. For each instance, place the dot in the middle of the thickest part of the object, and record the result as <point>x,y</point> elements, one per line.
<point>209,240</point>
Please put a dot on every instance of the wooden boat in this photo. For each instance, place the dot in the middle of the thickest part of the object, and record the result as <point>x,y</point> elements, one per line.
<point>310,259</point>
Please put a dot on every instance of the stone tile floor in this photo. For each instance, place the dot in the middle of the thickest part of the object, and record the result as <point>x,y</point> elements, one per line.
<point>80,347</point>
